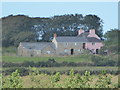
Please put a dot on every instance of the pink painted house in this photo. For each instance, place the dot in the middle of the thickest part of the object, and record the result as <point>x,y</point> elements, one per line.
<point>95,44</point>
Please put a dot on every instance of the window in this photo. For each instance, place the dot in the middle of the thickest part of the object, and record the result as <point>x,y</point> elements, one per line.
<point>66,43</point>
<point>65,50</point>
<point>30,48</point>
<point>93,43</point>
<point>79,50</point>
<point>38,52</point>
<point>75,44</point>
<point>48,52</point>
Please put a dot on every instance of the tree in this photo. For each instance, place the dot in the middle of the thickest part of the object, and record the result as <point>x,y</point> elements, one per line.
<point>111,41</point>
<point>94,22</point>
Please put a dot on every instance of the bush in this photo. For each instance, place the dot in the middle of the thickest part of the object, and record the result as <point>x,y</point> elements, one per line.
<point>103,61</point>
<point>9,50</point>
<point>28,63</point>
<point>22,71</point>
<point>13,81</point>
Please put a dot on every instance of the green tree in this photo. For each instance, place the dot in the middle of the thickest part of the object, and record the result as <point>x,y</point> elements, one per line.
<point>94,22</point>
<point>112,41</point>
<point>20,28</point>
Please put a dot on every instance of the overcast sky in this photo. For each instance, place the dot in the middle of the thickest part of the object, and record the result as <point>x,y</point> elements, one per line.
<point>107,11</point>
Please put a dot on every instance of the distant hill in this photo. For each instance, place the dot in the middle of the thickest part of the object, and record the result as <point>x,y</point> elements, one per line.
<point>19,28</point>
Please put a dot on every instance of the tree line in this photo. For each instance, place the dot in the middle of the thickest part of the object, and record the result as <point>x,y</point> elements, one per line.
<point>22,28</point>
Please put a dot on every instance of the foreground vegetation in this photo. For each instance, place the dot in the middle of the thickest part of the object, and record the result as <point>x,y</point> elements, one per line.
<point>35,80</point>
<point>24,71</point>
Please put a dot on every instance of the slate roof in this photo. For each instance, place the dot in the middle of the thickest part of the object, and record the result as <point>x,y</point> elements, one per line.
<point>85,34</point>
<point>80,38</point>
<point>37,45</point>
<point>71,39</point>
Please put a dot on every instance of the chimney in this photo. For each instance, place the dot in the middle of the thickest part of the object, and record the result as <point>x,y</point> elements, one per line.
<point>80,31</point>
<point>92,34</point>
<point>92,31</point>
<point>55,35</point>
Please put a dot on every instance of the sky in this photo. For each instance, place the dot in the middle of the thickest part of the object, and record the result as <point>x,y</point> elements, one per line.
<point>107,11</point>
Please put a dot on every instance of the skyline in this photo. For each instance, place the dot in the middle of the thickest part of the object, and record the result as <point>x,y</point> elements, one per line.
<point>107,11</point>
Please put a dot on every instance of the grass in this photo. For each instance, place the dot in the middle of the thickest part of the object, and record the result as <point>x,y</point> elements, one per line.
<point>78,68</point>
<point>15,58</point>
<point>9,54</point>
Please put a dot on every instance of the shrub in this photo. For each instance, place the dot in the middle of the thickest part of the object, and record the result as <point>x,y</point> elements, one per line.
<point>13,81</point>
<point>23,71</point>
<point>103,61</point>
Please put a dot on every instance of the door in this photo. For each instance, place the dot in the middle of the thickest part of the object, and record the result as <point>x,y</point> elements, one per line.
<point>83,45</point>
<point>97,51</point>
<point>72,51</point>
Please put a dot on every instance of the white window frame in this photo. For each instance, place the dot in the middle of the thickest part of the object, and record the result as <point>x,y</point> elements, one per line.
<point>79,50</point>
<point>65,50</point>
<point>75,44</point>
<point>48,52</point>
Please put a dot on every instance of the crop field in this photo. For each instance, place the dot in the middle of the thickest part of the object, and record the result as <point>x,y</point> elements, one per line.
<point>34,80</point>
<point>46,81</point>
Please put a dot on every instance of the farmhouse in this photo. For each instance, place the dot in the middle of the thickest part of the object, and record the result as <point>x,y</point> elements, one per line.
<point>63,45</point>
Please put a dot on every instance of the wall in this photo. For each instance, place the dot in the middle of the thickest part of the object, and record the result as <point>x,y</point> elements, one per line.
<point>48,51</point>
<point>97,45</point>
<point>65,48</point>
<point>33,53</point>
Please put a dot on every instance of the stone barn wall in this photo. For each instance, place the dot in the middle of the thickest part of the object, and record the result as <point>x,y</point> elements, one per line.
<point>64,48</point>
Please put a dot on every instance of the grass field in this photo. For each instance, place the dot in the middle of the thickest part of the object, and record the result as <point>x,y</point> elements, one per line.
<point>69,68</point>
<point>78,68</point>
<point>15,58</point>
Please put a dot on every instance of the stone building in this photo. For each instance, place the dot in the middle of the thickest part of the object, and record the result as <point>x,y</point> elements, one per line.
<point>63,45</point>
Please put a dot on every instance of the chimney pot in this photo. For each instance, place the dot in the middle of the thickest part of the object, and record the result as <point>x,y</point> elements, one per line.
<point>92,31</point>
<point>55,35</point>
<point>80,31</point>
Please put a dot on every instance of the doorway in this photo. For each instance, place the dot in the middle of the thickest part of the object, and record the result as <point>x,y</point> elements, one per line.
<point>72,51</point>
<point>97,51</point>
<point>83,45</point>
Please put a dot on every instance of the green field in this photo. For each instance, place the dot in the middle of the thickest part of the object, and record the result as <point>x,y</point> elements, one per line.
<point>69,68</point>
<point>78,68</point>
<point>15,58</point>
